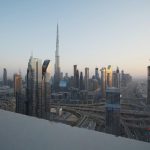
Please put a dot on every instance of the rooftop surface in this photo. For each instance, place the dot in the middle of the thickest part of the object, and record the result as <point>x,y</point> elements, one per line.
<point>20,132</point>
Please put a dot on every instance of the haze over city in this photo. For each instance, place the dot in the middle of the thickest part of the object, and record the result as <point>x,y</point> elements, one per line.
<point>91,33</point>
<point>70,66</point>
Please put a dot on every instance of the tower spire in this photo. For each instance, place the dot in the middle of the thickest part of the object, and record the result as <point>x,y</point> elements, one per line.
<point>57,42</point>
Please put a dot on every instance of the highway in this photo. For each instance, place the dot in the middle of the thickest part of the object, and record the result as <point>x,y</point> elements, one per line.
<point>134,122</point>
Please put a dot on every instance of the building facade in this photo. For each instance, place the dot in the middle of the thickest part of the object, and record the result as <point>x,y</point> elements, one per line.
<point>148,85</point>
<point>4,76</point>
<point>17,84</point>
<point>125,79</point>
<point>116,78</point>
<point>81,81</point>
<point>38,88</point>
<point>103,82</point>
<point>86,79</point>
<point>113,110</point>
<point>96,74</point>
<point>106,79</point>
<point>19,94</point>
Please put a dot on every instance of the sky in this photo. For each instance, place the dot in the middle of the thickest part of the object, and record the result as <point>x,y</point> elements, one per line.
<point>92,33</point>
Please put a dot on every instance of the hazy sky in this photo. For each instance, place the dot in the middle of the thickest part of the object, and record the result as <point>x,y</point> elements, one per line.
<point>93,33</point>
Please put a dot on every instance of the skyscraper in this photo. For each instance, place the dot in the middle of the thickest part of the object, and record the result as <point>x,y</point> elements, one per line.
<point>46,91</point>
<point>116,78</point>
<point>103,82</point>
<point>125,78</point>
<point>17,84</point>
<point>86,79</point>
<point>77,79</point>
<point>34,77</point>
<point>4,76</point>
<point>81,81</point>
<point>96,74</point>
<point>148,86</point>
<point>106,79</point>
<point>38,88</point>
<point>109,76</point>
<point>57,67</point>
<point>113,110</point>
<point>74,75</point>
<point>19,94</point>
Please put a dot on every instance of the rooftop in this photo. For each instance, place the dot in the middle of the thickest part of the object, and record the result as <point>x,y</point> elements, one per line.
<point>20,132</point>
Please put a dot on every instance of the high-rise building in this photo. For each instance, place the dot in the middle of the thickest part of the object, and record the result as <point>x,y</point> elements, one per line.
<point>17,84</point>
<point>96,74</point>
<point>74,75</point>
<point>34,78</point>
<point>57,67</point>
<point>86,79</point>
<point>46,91</point>
<point>125,79</point>
<point>81,81</point>
<point>116,78</point>
<point>66,75</point>
<point>109,76</point>
<point>106,79</point>
<point>148,86</point>
<point>103,82</point>
<point>77,79</point>
<point>4,76</point>
<point>112,110</point>
<point>38,88</point>
<point>19,94</point>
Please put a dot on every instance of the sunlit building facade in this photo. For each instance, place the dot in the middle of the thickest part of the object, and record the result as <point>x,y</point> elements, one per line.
<point>106,79</point>
<point>109,76</point>
<point>103,82</point>
<point>19,94</point>
<point>17,83</point>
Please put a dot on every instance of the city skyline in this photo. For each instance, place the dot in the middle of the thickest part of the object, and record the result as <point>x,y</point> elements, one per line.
<point>91,34</point>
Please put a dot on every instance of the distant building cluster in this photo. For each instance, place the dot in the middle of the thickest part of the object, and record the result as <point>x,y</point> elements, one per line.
<point>37,101</point>
<point>7,99</point>
<point>80,88</point>
<point>35,95</point>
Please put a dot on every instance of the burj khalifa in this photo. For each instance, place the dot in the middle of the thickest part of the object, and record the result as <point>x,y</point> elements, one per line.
<point>57,67</point>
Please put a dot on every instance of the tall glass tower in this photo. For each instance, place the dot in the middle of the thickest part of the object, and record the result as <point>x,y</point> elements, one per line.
<point>112,107</point>
<point>38,88</point>
<point>4,76</point>
<point>57,67</point>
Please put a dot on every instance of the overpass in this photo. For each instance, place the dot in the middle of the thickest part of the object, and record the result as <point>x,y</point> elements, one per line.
<point>134,122</point>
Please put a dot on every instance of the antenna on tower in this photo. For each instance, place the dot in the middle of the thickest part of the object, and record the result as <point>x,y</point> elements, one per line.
<point>20,72</point>
<point>32,53</point>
